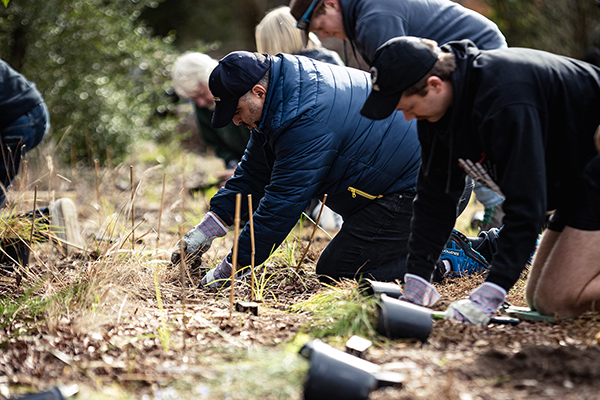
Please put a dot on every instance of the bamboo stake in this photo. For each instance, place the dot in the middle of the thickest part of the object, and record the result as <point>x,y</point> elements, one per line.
<point>25,180</point>
<point>33,217</point>
<point>236,222</point>
<point>311,236</point>
<point>24,162</point>
<point>251,221</point>
<point>162,203</point>
<point>182,268</point>
<point>97,169</point>
<point>183,259</point>
<point>73,160</point>
<point>132,206</point>
<point>50,163</point>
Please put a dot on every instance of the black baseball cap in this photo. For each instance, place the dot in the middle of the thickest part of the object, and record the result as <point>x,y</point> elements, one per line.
<point>235,75</point>
<point>398,64</point>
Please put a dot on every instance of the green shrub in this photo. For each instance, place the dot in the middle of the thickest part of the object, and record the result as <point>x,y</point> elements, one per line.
<point>98,68</point>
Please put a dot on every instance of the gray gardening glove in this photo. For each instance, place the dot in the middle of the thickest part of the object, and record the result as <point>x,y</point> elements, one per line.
<point>481,305</point>
<point>220,276</point>
<point>418,291</point>
<point>197,241</point>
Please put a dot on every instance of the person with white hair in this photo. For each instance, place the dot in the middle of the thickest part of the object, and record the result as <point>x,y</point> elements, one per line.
<point>190,80</point>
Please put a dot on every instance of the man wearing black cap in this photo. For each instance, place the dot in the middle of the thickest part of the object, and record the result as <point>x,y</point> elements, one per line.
<point>522,122</point>
<point>307,140</point>
<point>367,24</point>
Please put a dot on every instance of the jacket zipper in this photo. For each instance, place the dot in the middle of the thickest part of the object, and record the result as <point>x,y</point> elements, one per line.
<point>363,194</point>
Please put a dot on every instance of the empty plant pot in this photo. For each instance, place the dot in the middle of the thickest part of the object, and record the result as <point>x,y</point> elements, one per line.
<point>370,287</point>
<point>401,320</point>
<point>15,253</point>
<point>335,375</point>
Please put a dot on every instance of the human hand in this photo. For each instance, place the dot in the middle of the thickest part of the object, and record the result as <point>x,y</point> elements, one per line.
<point>197,241</point>
<point>418,291</point>
<point>220,276</point>
<point>478,309</point>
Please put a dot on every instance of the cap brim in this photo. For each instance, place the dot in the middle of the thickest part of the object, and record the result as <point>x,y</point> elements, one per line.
<point>224,113</point>
<point>380,106</point>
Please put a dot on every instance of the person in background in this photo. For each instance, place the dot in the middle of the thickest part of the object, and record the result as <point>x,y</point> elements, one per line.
<point>277,33</point>
<point>190,80</point>
<point>367,24</point>
<point>523,122</point>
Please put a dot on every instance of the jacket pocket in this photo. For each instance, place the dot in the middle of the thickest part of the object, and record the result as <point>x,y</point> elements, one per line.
<point>363,194</point>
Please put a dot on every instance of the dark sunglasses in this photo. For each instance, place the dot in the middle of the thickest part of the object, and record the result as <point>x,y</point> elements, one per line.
<point>304,22</point>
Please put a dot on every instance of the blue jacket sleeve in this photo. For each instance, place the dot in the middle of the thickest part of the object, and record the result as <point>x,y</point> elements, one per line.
<point>250,177</point>
<point>374,30</point>
<point>303,155</point>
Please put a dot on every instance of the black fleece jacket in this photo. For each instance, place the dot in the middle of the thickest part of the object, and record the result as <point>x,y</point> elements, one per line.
<point>528,118</point>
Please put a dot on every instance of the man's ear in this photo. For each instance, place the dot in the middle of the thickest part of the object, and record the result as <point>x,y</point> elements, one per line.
<point>259,90</point>
<point>335,4</point>
<point>435,83</point>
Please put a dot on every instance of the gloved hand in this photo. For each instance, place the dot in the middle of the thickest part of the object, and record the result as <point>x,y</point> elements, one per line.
<point>482,303</point>
<point>418,291</point>
<point>197,241</point>
<point>221,276</point>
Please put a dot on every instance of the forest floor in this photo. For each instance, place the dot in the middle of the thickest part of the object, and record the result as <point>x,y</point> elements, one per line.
<point>119,322</point>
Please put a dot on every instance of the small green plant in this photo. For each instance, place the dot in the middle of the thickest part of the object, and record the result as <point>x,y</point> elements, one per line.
<point>26,310</point>
<point>341,311</point>
<point>263,282</point>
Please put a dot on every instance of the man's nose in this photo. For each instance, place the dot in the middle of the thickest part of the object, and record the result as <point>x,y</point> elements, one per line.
<point>237,120</point>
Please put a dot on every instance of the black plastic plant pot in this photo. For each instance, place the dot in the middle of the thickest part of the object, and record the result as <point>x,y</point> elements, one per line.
<point>17,253</point>
<point>401,320</point>
<point>335,375</point>
<point>370,287</point>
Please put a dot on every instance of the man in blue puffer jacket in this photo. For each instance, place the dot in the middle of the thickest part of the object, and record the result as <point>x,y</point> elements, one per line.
<point>309,139</point>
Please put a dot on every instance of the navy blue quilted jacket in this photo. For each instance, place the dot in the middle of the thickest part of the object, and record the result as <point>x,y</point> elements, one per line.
<point>312,141</point>
<point>17,95</point>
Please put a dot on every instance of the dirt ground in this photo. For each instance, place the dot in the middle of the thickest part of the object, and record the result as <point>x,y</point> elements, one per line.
<point>116,341</point>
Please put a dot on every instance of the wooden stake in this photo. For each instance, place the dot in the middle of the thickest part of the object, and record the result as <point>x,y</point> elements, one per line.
<point>25,180</point>
<point>50,163</point>
<point>33,217</point>
<point>236,222</point>
<point>97,168</point>
<point>24,162</point>
<point>182,264</point>
<point>184,268</point>
<point>251,221</point>
<point>132,206</point>
<point>162,203</point>
<point>73,160</point>
<point>311,236</point>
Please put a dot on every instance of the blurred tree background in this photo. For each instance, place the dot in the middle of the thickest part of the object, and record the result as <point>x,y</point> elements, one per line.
<point>103,66</point>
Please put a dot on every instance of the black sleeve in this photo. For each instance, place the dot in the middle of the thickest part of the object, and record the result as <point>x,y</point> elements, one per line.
<point>518,146</point>
<point>439,187</point>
